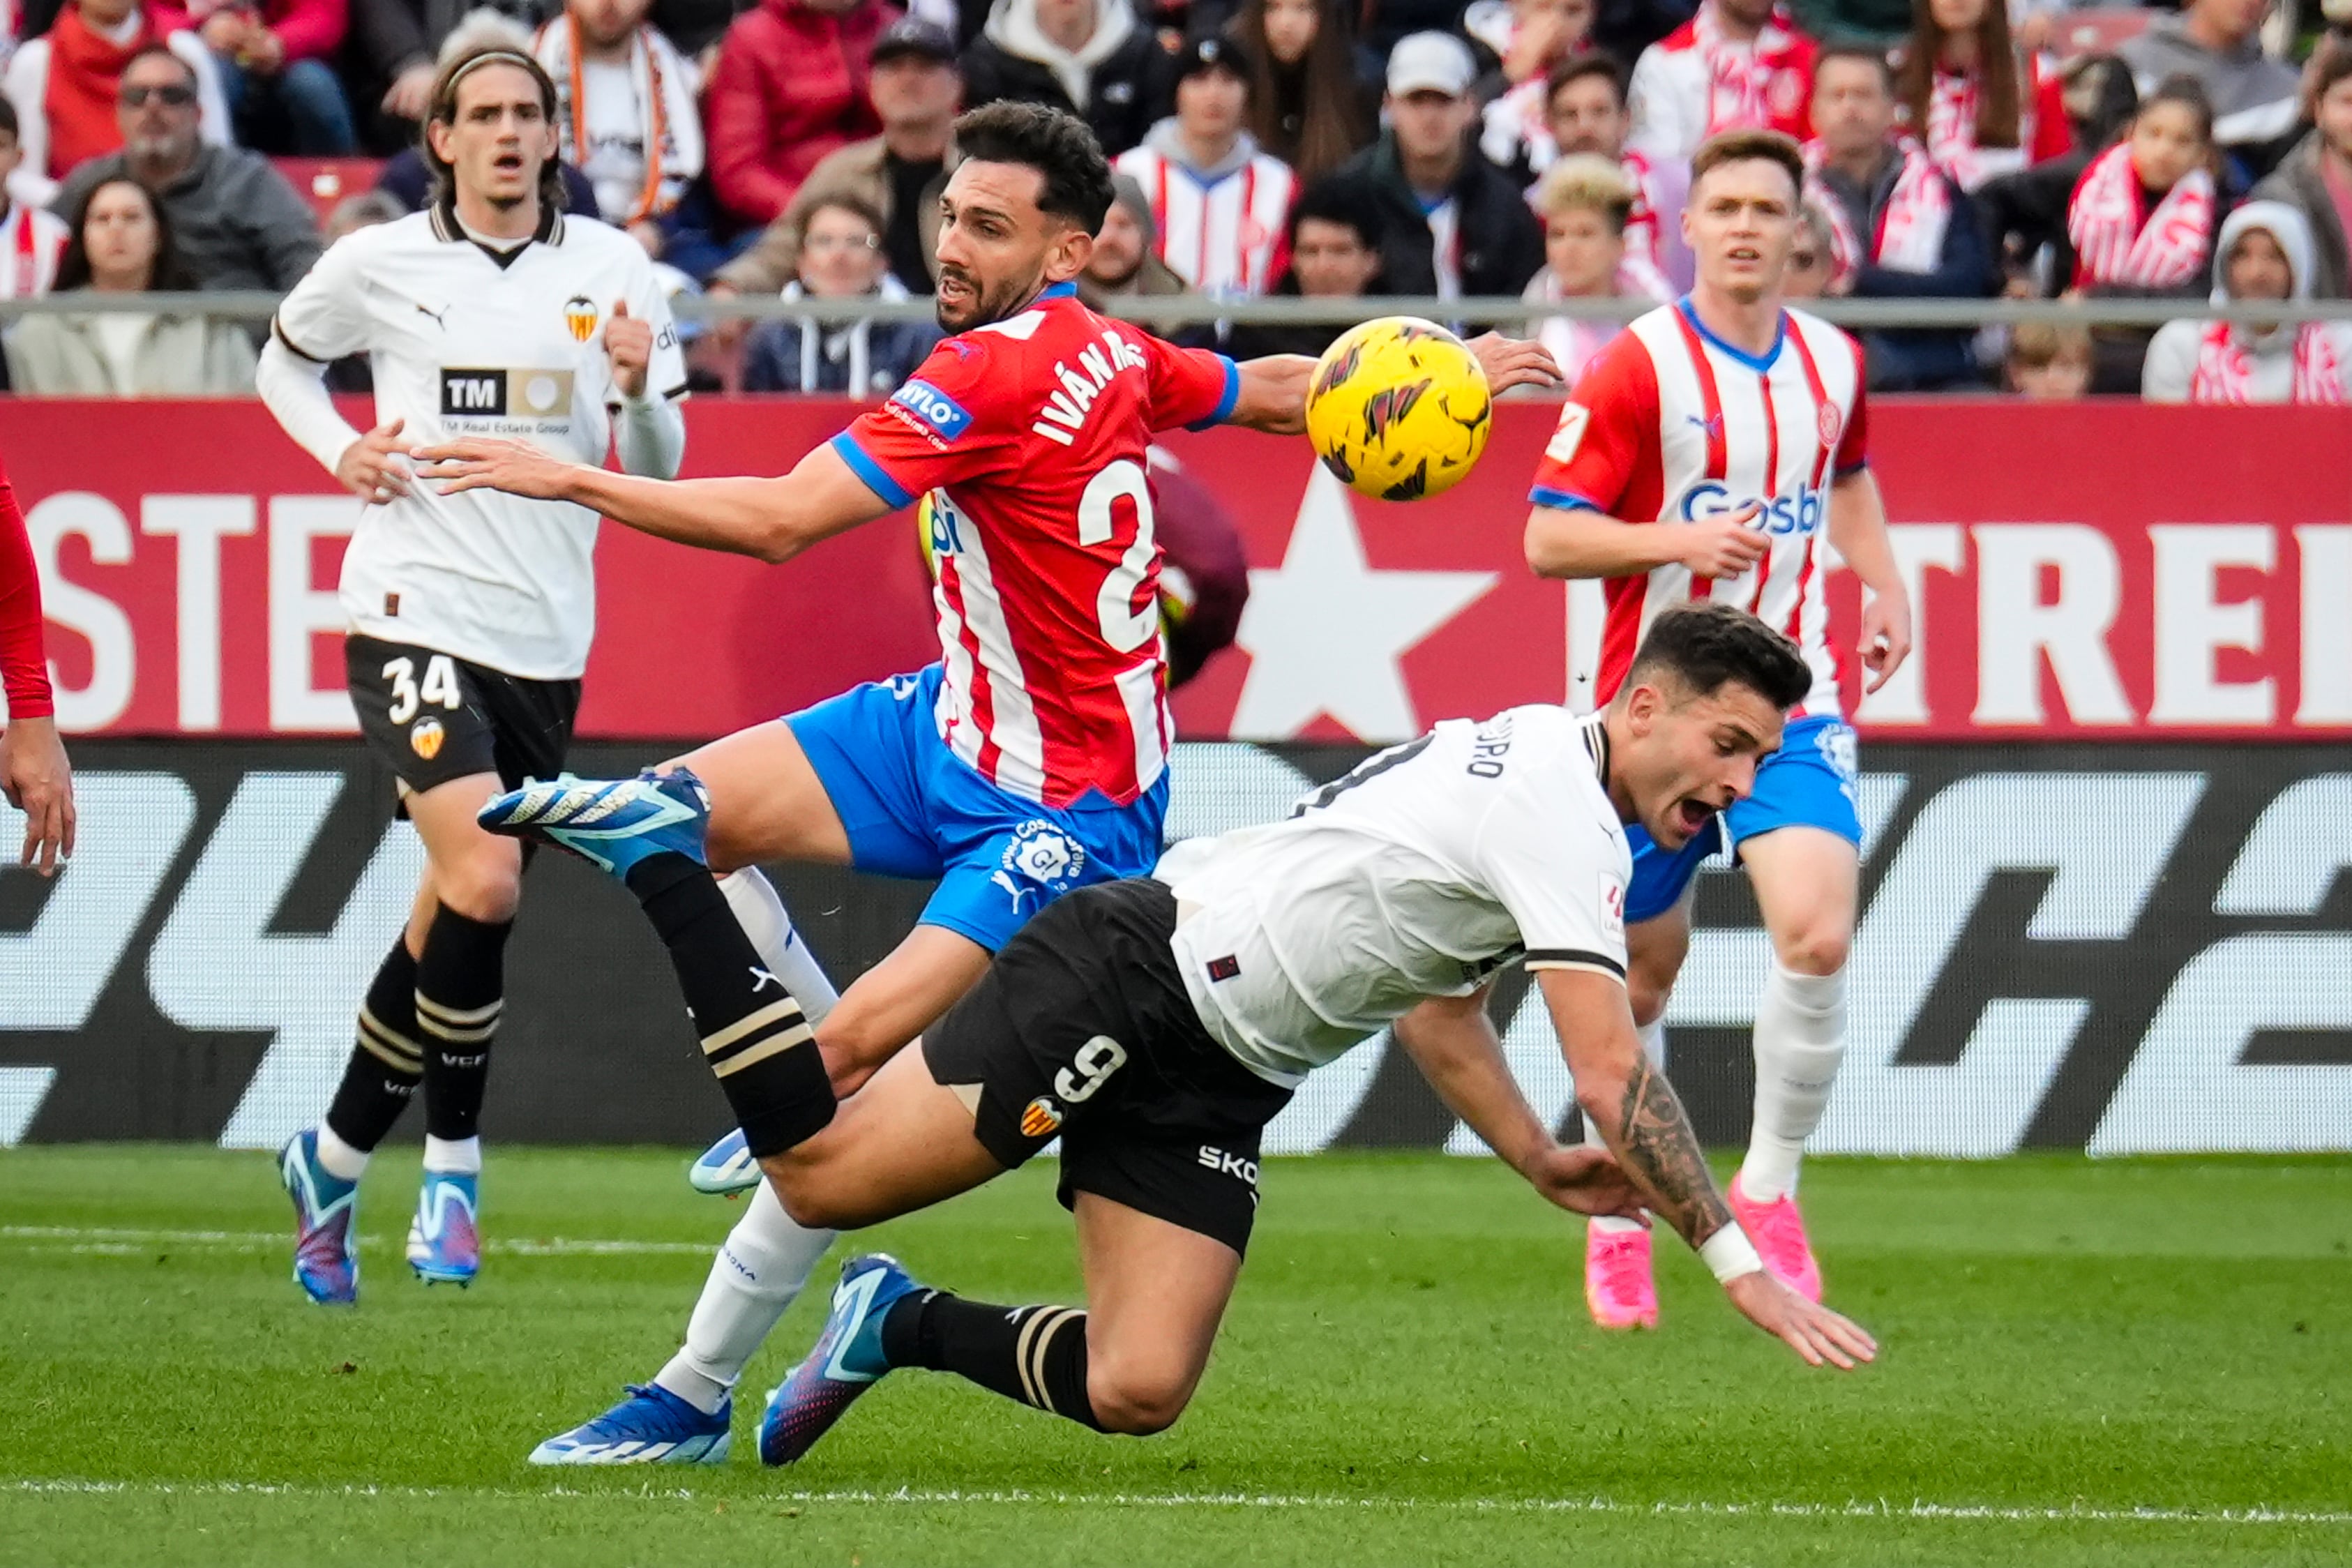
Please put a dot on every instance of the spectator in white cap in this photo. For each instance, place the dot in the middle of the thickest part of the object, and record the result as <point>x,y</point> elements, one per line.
<point>1454,225</point>
<point>2264,254</point>
<point>1217,202</point>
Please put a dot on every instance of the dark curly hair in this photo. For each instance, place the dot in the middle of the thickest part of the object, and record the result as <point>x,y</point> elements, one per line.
<point>1706,643</point>
<point>1055,144</point>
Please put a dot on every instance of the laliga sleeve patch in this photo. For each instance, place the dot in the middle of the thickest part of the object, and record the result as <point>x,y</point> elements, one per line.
<point>933,409</point>
<point>1613,905</point>
<point>1574,418</point>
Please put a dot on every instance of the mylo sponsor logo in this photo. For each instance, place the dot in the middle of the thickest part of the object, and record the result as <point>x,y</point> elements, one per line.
<point>934,410</point>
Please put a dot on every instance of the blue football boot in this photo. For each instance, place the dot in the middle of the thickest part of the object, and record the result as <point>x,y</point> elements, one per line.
<point>445,1241</point>
<point>725,1169</point>
<point>326,1245</point>
<point>847,1361</point>
<point>651,1426</point>
<point>615,823</point>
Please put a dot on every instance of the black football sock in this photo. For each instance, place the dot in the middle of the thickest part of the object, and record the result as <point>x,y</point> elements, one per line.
<point>1034,1354</point>
<point>386,1062</point>
<point>461,986</point>
<point>754,1036</point>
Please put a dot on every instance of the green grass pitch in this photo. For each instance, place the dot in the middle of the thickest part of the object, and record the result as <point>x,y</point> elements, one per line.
<point>2136,1361</point>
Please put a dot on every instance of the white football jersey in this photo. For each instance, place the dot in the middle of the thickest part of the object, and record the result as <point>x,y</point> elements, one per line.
<point>464,341</point>
<point>1418,875</point>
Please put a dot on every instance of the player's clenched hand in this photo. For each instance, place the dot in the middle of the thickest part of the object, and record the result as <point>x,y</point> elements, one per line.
<point>1812,1331</point>
<point>1583,1181</point>
<point>1514,361</point>
<point>480,463</point>
<point>629,344</point>
<point>371,467</point>
<point>1724,546</point>
<point>1886,636</point>
<point>35,776</point>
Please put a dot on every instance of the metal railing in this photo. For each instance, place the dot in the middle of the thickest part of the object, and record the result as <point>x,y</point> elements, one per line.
<point>1178,309</point>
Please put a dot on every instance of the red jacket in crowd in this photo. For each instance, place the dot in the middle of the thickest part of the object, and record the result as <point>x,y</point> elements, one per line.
<point>309,29</point>
<point>790,87</point>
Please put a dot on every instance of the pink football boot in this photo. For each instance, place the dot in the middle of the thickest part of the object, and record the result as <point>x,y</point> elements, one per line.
<point>1779,1232</point>
<point>1618,1286</point>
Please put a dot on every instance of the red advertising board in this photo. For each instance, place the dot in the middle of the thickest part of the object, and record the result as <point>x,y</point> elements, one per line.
<point>2095,570</point>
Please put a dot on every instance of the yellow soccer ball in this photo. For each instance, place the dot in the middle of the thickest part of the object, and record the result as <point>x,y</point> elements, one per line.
<point>1399,408</point>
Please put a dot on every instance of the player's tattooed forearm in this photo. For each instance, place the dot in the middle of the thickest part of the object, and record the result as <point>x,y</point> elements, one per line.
<point>1661,1152</point>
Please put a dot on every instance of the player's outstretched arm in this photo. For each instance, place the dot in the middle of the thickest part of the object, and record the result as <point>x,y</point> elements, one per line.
<point>1639,1116</point>
<point>1273,396</point>
<point>1858,529</point>
<point>1580,542</point>
<point>771,519</point>
<point>1453,1041</point>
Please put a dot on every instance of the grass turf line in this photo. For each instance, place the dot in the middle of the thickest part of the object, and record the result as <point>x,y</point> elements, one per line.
<point>1407,1375</point>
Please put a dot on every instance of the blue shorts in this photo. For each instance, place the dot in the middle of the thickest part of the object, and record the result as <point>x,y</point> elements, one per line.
<point>1808,783</point>
<point>915,809</point>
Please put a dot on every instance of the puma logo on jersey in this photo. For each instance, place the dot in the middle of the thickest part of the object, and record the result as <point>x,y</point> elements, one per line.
<point>1066,412</point>
<point>439,315</point>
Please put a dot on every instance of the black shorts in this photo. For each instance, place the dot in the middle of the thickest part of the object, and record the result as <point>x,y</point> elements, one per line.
<point>433,716</point>
<point>1082,1028</point>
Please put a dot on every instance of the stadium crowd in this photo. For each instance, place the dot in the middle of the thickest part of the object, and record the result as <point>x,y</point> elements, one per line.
<point>1321,148</point>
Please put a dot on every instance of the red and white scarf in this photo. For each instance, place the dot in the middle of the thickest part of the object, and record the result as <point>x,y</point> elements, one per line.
<point>2225,371</point>
<point>2116,238</point>
<point>1751,84</point>
<point>1951,140</point>
<point>1911,226</point>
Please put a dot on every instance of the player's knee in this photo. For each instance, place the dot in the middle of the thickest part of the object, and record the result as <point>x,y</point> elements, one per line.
<point>1137,1401</point>
<point>1818,947</point>
<point>855,1042</point>
<point>482,884</point>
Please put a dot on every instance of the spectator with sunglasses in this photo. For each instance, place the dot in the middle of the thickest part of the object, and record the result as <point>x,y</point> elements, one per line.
<point>238,223</point>
<point>66,84</point>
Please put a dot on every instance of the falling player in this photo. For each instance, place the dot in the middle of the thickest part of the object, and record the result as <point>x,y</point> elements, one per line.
<point>1157,1025</point>
<point>1704,456</point>
<point>1029,762</point>
<point>469,614</point>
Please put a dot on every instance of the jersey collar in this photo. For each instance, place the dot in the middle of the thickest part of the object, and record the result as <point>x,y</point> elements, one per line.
<point>1759,364</point>
<point>449,231</point>
<point>1596,746</point>
<point>1059,291</point>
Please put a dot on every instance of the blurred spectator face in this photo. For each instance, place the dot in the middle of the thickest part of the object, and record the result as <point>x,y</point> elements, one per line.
<point>1749,14</point>
<point>2334,116</point>
<point>1430,124</point>
<point>1290,28</point>
<point>498,137</point>
<point>1560,25</point>
<point>1583,249</point>
<point>1069,23</point>
<point>2234,21</point>
<point>607,23</point>
<point>2257,267</point>
<point>1118,249</point>
<point>841,256</point>
<point>105,13</point>
<point>1852,111</point>
<point>1209,105</point>
<point>1808,277</point>
<point>1586,116</point>
<point>1740,225</point>
<point>2165,143</point>
<point>118,233</point>
<point>2047,365</point>
<point>11,154</point>
<point>911,89</point>
<point>1957,15</point>
<point>158,111</point>
<point>1331,260</point>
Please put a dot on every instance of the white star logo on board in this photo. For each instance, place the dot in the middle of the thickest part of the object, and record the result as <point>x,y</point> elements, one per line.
<point>1325,630</point>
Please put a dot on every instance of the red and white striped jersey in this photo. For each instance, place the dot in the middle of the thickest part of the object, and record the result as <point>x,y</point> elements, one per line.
<point>1695,82</point>
<point>1030,437</point>
<point>1224,235</point>
<point>1670,424</point>
<point>32,242</point>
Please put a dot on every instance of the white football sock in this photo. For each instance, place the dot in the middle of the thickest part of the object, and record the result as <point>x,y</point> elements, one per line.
<point>766,1259</point>
<point>1654,1046</point>
<point>453,1156</point>
<point>341,1160</point>
<point>1800,1039</point>
<point>759,1272</point>
<point>761,915</point>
